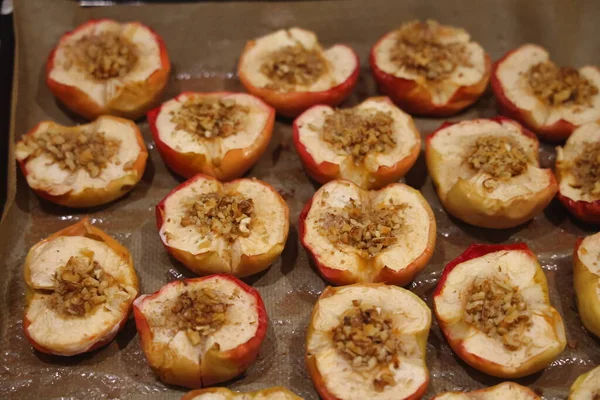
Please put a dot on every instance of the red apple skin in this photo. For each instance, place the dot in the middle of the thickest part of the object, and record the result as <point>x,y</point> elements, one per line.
<point>586,211</point>
<point>291,104</point>
<point>80,103</point>
<point>415,99</point>
<point>233,165</point>
<point>217,366</point>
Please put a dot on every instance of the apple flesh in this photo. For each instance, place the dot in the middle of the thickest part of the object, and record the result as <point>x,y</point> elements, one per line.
<point>586,275</point>
<point>220,393</point>
<point>505,390</point>
<point>587,386</point>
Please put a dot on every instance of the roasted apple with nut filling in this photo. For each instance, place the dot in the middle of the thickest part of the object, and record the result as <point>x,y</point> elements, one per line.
<point>486,172</point>
<point>578,173</point>
<point>218,134</point>
<point>367,341</point>
<point>430,69</point>
<point>372,144</point>
<point>586,278</point>
<point>289,70</point>
<point>274,393</point>
<point>85,165</point>
<point>587,386</point>
<point>354,235</point>
<point>505,390</point>
<point>550,100</point>
<point>238,228</point>
<point>107,67</point>
<point>80,288</point>
<point>493,307</point>
<point>202,331</point>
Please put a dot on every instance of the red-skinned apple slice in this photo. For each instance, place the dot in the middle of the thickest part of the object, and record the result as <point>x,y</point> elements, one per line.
<point>220,393</point>
<point>505,390</point>
<point>578,173</point>
<point>329,155</point>
<point>106,67</point>
<point>518,100</point>
<point>493,307</point>
<point>395,233</point>
<point>108,157</point>
<point>401,65</point>
<point>486,172</point>
<point>202,331</point>
<point>62,318</point>
<point>257,234</point>
<point>237,139</point>
<point>587,386</point>
<point>342,369</point>
<point>586,279</point>
<point>332,79</point>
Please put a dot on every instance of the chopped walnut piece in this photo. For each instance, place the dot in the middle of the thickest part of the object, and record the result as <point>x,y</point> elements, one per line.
<point>419,50</point>
<point>496,308</point>
<point>560,85</point>
<point>501,157</point>
<point>293,66</point>
<point>365,337</point>
<point>359,133</point>
<point>199,313</point>
<point>229,216</point>
<point>103,55</point>
<point>210,117</point>
<point>586,170</point>
<point>369,231</point>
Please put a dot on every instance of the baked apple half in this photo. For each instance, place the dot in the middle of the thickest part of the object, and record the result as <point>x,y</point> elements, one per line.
<point>430,69</point>
<point>220,393</point>
<point>80,289</point>
<point>84,165</point>
<point>587,386</point>
<point>578,173</point>
<point>239,228</point>
<point>586,279</point>
<point>486,172</point>
<point>202,331</point>
<point>550,100</point>
<point>290,71</point>
<point>355,235</point>
<point>107,67</point>
<point>505,390</point>
<point>493,307</point>
<point>218,134</point>
<point>372,144</point>
<point>368,341</point>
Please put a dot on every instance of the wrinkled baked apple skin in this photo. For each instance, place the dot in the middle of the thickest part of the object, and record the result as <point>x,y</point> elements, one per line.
<point>291,104</point>
<point>82,228</point>
<point>134,99</point>
<point>416,99</point>
<point>585,283</point>
<point>92,197</point>
<point>216,366</point>
<point>233,165</point>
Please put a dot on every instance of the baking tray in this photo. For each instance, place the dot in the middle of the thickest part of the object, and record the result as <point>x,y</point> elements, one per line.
<point>204,42</point>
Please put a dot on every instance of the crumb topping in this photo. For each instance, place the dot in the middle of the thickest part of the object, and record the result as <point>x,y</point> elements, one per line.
<point>557,86</point>
<point>102,56</point>
<point>497,308</point>
<point>359,133</point>
<point>208,118</point>
<point>419,50</point>
<point>500,157</point>
<point>293,66</point>
<point>228,215</point>
<point>586,170</point>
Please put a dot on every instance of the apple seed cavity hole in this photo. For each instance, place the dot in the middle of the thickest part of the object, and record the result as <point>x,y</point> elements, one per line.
<point>293,66</point>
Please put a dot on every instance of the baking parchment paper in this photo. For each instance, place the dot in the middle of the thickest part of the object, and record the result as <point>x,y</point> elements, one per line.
<point>204,42</point>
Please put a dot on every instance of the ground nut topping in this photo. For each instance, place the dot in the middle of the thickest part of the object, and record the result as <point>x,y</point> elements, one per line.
<point>210,117</point>
<point>365,337</point>
<point>228,216</point>
<point>103,56</point>
<point>293,66</point>
<point>496,308</point>
<point>91,151</point>
<point>418,49</point>
<point>587,170</point>
<point>80,286</point>
<point>560,85</point>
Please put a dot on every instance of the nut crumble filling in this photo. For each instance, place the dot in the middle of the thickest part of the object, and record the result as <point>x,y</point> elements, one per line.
<point>587,170</point>
<point>293,66</point>
<point>208,118</point>
<point>228,215</point>
<point>557,86</point>
<point>496,308</point>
